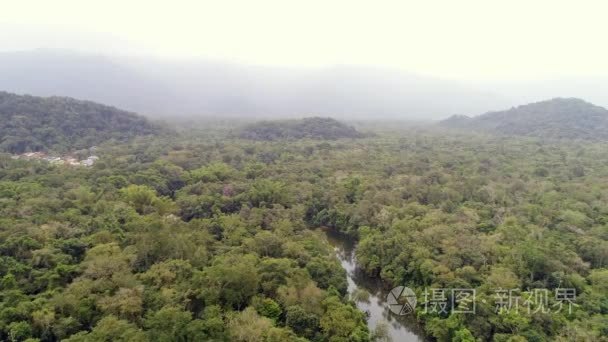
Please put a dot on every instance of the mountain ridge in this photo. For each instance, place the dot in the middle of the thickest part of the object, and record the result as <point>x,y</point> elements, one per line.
<point>319,128</point>
<point>33,123</point>
<point>558,117</point>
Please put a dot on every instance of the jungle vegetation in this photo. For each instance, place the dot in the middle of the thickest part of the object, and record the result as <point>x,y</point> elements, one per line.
<point>61,124</point>
<point>207,236</point>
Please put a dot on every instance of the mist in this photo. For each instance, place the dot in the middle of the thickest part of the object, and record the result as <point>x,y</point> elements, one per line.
<point>203,88</point>
<point>391,60</point>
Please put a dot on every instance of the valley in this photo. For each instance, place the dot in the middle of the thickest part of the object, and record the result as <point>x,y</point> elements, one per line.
<point>208,235</point>
<point>303,171</point>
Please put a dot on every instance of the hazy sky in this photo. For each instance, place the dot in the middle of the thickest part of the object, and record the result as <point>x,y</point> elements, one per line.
<point>470,40</point>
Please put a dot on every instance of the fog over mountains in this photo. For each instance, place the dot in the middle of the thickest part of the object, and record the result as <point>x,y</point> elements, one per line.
<point>203,88</point>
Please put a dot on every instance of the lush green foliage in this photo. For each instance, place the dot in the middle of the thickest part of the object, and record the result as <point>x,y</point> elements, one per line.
<point>557,118</point>
<point>166,240</point>
<point>312,128</point>
<point>201,237</point>
<point>29,123</point>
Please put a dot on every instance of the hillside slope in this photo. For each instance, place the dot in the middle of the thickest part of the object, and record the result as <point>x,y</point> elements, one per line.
<point>556,118</point>
<point>30,123</point>
<point>311,128</point>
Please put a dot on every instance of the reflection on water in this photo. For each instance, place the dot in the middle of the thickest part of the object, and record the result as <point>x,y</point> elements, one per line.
<point>400,328</point>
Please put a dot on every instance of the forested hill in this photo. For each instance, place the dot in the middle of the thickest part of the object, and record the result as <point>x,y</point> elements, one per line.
<point>311,128</point>
<point>30,123</point>
<point>557,118</point>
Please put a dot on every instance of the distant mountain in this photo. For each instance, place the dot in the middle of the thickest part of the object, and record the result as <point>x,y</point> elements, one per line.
<point>557,118</point>
<point>205,88</point>
<point>29,123</point>
<point>307,128</point>
<point>456,121</point>
<point>92,77</point>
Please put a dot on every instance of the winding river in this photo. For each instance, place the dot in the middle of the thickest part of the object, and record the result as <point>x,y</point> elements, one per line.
<point>399,328</point>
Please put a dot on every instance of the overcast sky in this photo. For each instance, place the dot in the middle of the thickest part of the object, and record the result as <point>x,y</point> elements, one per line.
<point>467,40</point>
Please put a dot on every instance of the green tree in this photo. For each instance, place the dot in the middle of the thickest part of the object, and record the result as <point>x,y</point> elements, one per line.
<point>110,328</point>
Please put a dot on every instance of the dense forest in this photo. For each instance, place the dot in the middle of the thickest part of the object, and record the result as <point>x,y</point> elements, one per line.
<point>311,128</point>
<point>207,236</point>
<point>557,118</point>
<point>30,123</point>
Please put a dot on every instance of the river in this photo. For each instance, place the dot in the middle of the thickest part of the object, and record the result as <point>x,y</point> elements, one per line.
<point>399,328</point>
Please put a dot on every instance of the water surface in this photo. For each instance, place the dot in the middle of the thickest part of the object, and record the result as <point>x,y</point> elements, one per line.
<point>400,328</point>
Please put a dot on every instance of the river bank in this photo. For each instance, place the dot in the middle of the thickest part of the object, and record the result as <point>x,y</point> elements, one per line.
<point>370,295</point>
